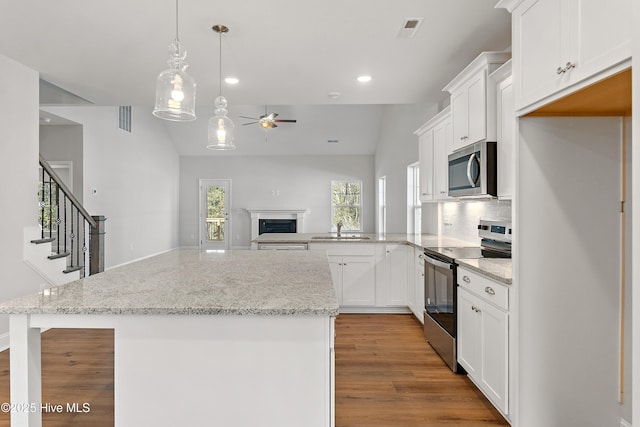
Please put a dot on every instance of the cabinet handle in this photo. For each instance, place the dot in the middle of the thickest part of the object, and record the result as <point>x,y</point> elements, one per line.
<point>420,256</point>
<point>561,70</point>
<point>466,279</point>
<point>422,274</point>
<point>569,66</point>
<point>489,290</point>
<point>443,192</point>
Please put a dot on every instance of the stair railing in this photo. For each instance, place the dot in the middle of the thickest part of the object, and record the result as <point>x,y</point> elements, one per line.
<point>64,222</point>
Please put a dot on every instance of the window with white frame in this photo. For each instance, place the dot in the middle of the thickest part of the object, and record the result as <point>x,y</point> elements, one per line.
<point>414,206</point>
<point>382,204</point>
<point>346,205</point>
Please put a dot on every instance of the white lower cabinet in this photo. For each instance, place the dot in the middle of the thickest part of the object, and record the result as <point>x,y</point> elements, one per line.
<point>354,279</point>
<point>418,284</point>
<point>483,335</point>
<point>395,275</point>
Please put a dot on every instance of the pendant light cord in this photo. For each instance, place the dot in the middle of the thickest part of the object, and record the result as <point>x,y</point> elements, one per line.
<point>220,77</point>
<point>177,38</point>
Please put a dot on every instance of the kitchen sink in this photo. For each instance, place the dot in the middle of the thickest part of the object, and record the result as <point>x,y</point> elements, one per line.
<point>341,238</point>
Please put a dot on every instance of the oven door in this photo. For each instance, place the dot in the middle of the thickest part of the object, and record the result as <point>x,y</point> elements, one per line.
<point>466,170</point>
<point>439,297</point>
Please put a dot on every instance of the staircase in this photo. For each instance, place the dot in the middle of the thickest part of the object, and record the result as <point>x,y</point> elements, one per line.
<point>68,243</point>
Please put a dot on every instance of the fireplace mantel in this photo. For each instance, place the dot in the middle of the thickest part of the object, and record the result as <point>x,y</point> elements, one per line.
<point>257,214</point>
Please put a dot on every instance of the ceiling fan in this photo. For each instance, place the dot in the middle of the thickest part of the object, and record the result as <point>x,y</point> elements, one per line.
<point>267,121</point>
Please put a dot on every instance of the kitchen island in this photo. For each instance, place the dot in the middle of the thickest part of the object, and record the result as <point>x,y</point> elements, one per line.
<point>231,338</point>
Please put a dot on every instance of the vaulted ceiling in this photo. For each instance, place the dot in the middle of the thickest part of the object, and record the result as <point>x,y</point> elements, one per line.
<point>287,54</point>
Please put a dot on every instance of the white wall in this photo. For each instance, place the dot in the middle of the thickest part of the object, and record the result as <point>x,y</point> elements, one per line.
<point>18,178</point>
<point>64,143</point>
<point>303,182</point>
<point>397,148</point>
<point>136,178</point>
<point>568,257</point>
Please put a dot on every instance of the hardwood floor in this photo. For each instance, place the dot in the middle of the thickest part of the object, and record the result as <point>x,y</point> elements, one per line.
<point>386,375</point>
<point>77,367</point>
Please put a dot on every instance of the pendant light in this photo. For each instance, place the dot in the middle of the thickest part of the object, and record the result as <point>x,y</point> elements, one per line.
<point>175,89</point>
<point>220,125</point>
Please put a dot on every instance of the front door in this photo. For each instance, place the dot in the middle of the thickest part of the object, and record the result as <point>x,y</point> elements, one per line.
<point>215,227</point>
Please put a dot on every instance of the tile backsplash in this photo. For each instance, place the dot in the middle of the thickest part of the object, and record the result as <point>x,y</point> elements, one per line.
<point>460,219</point>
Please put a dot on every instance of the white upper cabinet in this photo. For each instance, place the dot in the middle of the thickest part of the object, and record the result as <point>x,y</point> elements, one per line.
<point>506,130</point>
<point>425,160</point>
<point>435,141</point>
<point>560,43</point>
<point>473,101</point>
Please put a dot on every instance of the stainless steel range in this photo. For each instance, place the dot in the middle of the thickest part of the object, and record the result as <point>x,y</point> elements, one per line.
<point>440,285</point>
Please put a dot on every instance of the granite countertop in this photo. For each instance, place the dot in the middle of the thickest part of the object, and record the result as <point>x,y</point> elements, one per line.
<point>495,268</point>
<point>417,240</point>
<point>192,282</point>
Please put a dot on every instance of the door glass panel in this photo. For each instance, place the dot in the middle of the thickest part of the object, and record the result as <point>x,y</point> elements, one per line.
<point>215,213</point>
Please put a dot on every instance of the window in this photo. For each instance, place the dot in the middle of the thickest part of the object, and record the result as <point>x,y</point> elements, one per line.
<point>346,205</point>
<point>414,206</point>
<point>382,204</point>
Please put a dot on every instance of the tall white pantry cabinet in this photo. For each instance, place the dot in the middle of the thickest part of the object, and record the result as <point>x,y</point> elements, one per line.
<point>567,248</point>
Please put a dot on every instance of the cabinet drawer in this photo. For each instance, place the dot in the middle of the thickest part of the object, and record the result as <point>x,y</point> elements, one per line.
<point>484,288</point>
<point>338,249</point>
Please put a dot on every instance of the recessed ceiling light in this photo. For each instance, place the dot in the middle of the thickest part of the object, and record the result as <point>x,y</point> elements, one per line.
<point>231,80</point>
<point>364,78</point>
<point>334,95</point>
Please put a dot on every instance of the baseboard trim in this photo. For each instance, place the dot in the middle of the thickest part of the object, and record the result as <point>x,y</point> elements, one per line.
<point>624,423</point>
<point>140,259</point>
<point>4,341</point>
<point>374,310</point>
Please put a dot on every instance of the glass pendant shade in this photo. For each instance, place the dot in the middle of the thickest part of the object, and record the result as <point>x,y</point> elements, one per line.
<point>175,89</point>
<point>221,127</point>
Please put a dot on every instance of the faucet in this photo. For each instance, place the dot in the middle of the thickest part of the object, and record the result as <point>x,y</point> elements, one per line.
<point>339,225</point>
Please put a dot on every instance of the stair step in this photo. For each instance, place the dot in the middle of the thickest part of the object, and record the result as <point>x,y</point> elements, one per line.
<point>40,241</point>
<point>72,269</point>
<point>60,255</point>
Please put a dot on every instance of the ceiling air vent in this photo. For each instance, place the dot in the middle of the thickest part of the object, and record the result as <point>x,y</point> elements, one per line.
<point>124,118</point>
<point>332,141</point>
<point>409,28</point>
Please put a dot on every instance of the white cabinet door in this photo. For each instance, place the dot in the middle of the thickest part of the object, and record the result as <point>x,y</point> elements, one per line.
<point>506,138</point>
<point>602,35</point>
<point>425,155</point>
<point>358,280</point>
<point>558,43</point>
<point>540,43</point>
<point>469,333</point>
<point>442,140</point>
<point>459,118</point>
<point>495,355</point>
<point>396,275</point>
<point>335,264</point>
<point>418,282</point>
<point>477,108</point>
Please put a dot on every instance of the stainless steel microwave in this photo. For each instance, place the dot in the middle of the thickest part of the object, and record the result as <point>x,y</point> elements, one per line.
<point>473,170</point>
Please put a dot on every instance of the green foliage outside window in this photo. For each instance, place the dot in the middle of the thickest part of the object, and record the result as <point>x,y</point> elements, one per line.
<point>215,213</point>
<point>346,200</point>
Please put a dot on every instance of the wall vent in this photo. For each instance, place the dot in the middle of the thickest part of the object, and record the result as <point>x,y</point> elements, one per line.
<point>409,28</point>
<point>332,141</point>
<point>124,118</point>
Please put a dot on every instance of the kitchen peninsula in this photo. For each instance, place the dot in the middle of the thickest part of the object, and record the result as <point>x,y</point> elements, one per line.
<point>201,338</point>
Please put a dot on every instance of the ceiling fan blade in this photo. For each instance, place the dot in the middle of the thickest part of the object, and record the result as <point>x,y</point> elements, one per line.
<point>271,116</point>
<point>285,121</point>
<point>245,117</point>
<point>250,123</point>
<point>273,125</point>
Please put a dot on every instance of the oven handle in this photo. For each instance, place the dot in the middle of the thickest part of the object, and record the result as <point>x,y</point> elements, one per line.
<point>437,263</point>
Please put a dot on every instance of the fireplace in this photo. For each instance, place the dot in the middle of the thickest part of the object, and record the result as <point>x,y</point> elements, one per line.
<point>278,221</point>
<point>277,226</point>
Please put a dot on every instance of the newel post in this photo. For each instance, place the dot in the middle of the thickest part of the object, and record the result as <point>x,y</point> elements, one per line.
<point>96,245</point>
